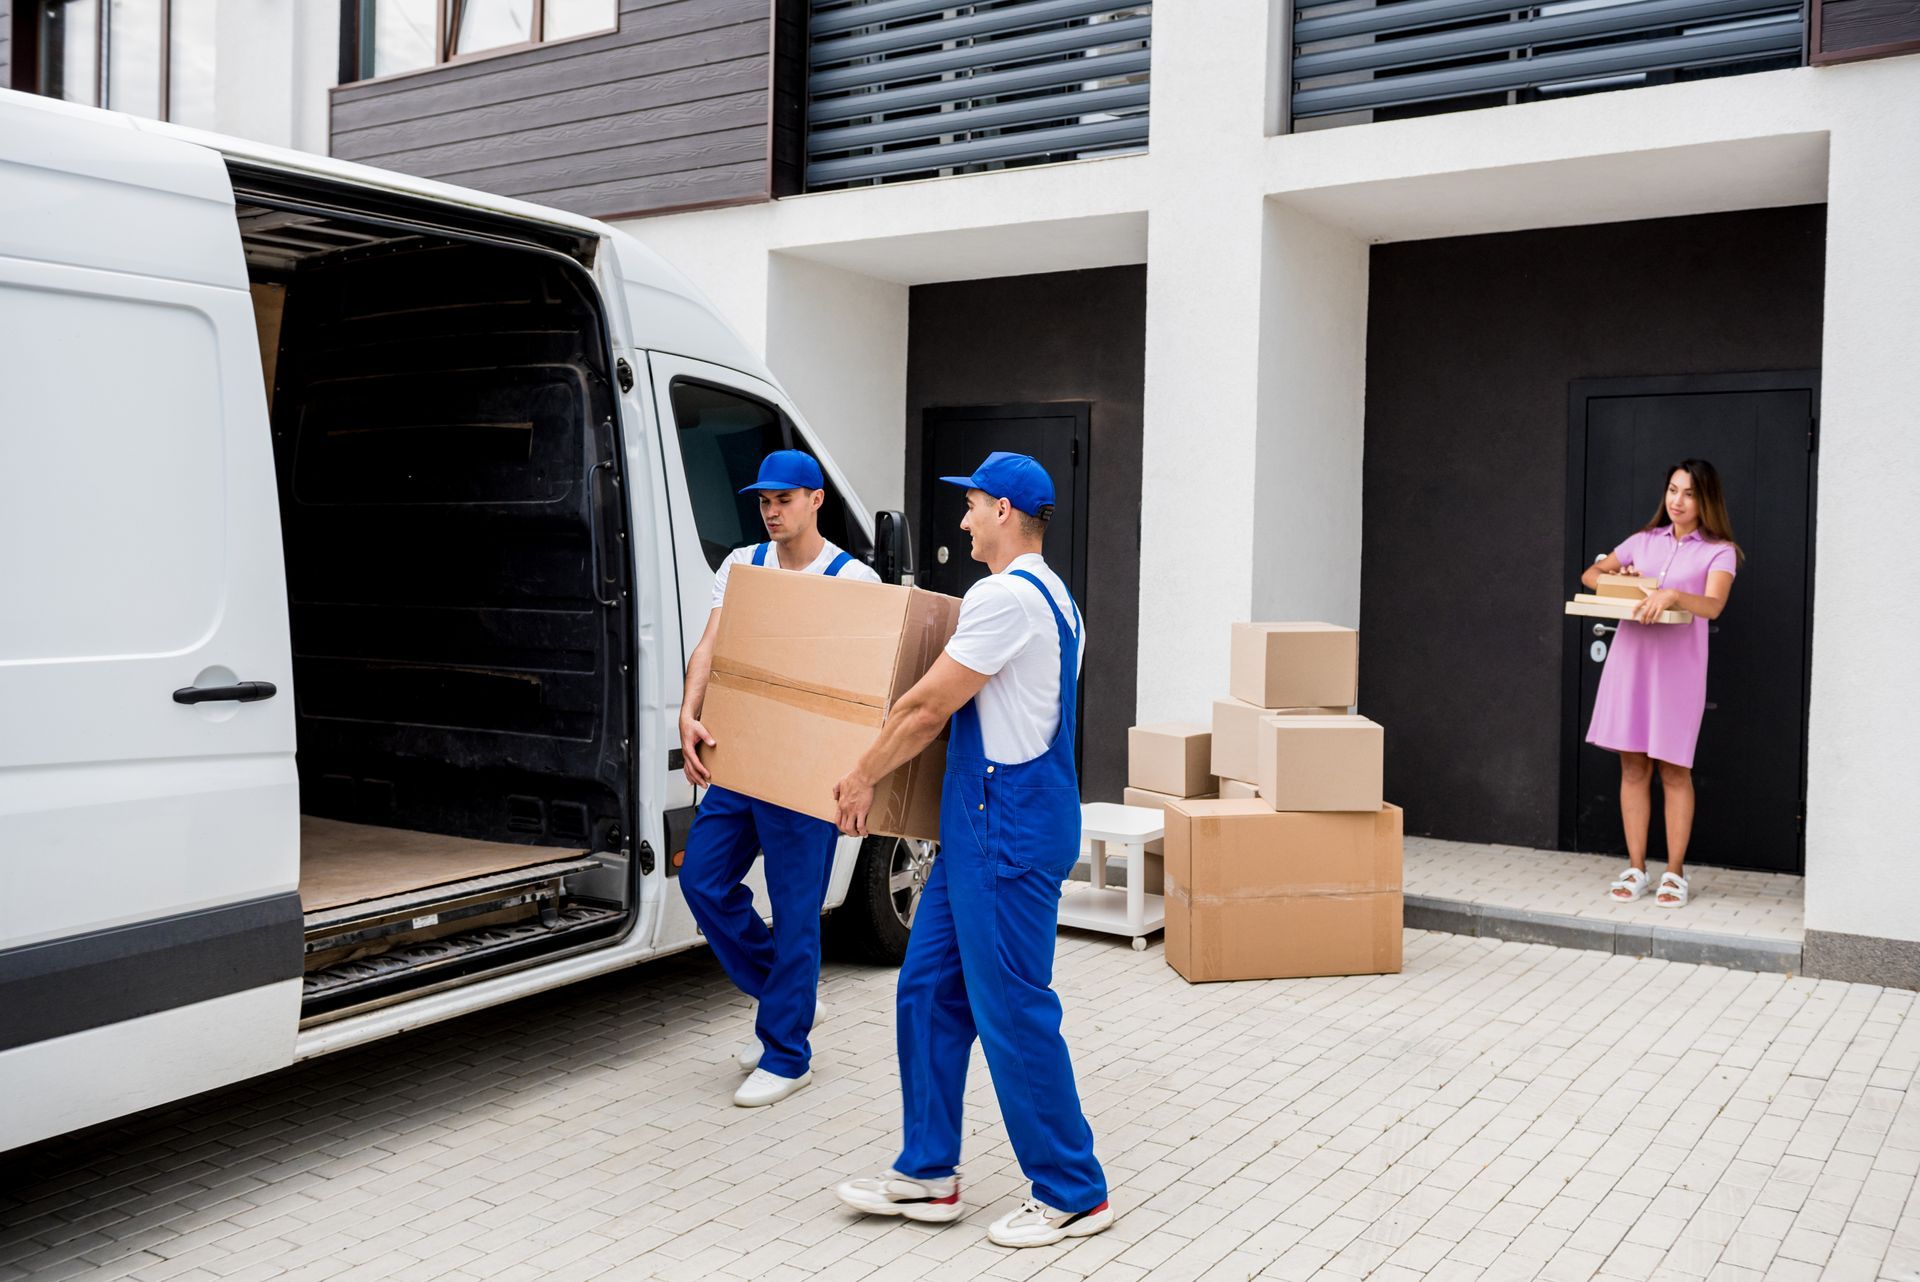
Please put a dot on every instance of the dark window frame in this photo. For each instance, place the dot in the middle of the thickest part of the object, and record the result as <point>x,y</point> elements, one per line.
<point>357,50</point>
<point>836,520</point>
<point>29,72</point>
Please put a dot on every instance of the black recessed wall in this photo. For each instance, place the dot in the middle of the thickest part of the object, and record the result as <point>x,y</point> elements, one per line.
<point>1059,336</point>
<point>1471,343</point>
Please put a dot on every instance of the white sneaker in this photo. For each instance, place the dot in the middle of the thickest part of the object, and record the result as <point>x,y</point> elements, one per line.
<point>935,1201</point>
<point>1037,1224</point>
<point>764,1088</point>
<point>749,1057</point>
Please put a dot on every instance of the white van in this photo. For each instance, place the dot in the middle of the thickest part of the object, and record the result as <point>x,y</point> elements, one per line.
<point>354,533</point>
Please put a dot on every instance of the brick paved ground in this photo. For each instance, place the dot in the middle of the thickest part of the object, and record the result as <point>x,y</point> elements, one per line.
<point>1500,1110</point>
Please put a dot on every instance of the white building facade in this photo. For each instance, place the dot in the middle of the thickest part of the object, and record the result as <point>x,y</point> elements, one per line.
<point>1258,245</point>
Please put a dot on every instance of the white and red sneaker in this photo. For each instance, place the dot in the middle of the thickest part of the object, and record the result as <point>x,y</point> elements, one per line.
<point>934,1201</point>
<point>1037,1224</point>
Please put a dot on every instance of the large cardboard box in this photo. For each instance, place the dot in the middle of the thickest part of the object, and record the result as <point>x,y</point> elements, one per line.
<point>805,670</point>
<point>1321,763</point>
<point>1295,665</point>
<point>1254,893</point>
<point>1234,790</point>
<point>1236,730</point>
<point>1174,758</point>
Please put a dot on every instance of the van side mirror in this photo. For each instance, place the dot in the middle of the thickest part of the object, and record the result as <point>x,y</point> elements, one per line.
<point>892,547</point>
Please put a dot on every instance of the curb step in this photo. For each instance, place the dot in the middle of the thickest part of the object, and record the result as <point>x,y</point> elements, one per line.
<point>1519,925</point>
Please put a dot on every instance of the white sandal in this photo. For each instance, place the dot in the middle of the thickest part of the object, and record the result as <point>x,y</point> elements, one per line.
<point>1673,885</point>
<point>1633,881</point>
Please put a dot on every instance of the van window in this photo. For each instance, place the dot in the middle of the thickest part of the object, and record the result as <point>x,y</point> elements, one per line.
<point>723,437</point>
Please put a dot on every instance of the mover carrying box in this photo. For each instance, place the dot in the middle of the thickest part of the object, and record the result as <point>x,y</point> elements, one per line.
<point>1236,729</point>
<point>1254,893</point>
<point>1321,763</point>
<point>805,670</point>
<point>1295,665</point>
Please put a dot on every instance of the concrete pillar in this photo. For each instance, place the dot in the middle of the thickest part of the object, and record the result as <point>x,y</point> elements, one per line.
<point>1313,382</point>
<point>1201,407</point>
<point>1863,879</point>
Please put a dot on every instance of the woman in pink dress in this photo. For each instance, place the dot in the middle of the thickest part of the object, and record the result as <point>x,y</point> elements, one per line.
<point>1653,689</point>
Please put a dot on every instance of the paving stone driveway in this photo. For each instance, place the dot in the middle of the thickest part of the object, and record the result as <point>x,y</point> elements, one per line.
<point>1500,1110</point>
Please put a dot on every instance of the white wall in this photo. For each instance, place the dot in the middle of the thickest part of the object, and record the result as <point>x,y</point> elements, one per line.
<point>837,341</point>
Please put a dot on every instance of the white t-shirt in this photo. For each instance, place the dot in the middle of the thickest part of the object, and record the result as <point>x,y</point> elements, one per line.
<point>853,569</point>
<point>1007,632</point>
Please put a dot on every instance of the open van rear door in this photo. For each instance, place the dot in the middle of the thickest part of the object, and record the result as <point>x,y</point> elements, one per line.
<point>150,924</point>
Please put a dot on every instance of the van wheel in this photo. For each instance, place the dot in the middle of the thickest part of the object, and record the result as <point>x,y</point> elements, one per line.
<point>873,924</point>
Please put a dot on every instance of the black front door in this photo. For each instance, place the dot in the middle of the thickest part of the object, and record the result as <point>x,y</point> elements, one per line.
<point>955,441</point>
<point>1750,764</point>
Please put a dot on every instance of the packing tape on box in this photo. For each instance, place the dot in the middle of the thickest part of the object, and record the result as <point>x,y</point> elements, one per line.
<point>859,714</point>
<point>1322,890</point>
<point>744,672</point>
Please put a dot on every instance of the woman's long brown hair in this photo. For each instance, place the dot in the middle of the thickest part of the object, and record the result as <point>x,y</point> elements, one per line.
<point>1715,524</point>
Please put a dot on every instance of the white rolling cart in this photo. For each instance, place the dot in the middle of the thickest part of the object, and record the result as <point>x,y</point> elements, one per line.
<point>1110,909</point>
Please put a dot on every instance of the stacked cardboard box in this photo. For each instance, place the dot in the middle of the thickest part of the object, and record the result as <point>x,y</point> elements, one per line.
<point>1295,869</point>
<point>1166,763</point>
<point>1618,596</point>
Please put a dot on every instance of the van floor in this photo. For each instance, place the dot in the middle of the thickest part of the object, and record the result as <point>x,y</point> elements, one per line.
<point>347,863</point>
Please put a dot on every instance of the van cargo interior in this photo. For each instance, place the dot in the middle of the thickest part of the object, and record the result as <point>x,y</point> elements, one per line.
<point>443,425</point>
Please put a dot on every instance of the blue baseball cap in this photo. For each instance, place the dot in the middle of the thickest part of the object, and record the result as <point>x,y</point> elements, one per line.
<point>788,470</point>
<point>1017,478</point>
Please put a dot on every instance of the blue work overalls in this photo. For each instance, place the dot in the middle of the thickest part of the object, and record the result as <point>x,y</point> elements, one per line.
<point>980,958</point>
<point>779,967</point>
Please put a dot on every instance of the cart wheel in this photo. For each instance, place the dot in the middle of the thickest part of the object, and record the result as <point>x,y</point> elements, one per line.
<point>1139,945</point>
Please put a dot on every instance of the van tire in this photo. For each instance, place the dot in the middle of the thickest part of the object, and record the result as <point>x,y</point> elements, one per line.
<point>869,926</point>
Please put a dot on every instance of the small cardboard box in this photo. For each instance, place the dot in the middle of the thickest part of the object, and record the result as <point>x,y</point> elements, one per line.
<point>1156,850</point>
<point>1254,893</point>
<point>1236,731</point>
<point>1174,758</point>
<point>1321,763</point>
<point>1295,665</point>
<point>1235,790</point>
<point>805,670</point>
<point>1630,587</point>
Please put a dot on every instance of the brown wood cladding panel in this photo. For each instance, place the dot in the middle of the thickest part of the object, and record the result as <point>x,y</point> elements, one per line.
<point>671,110</point>
<point>1851,29</point>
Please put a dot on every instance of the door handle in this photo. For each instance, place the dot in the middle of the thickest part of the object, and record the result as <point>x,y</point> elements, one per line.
<point>243,692</point>
<point>593,504</point>
<point>1601,629</point>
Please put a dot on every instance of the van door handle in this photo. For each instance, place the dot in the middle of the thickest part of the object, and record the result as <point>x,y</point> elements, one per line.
<point>595,567</point>
<point>244,692</point>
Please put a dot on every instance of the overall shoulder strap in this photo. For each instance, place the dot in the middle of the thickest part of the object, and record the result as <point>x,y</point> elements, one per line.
<point>1059,619</point>
<point>839,563</point>
<point>760,554</point>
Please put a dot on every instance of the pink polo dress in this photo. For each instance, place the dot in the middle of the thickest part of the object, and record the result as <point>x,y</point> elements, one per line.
<point>1653,688</point>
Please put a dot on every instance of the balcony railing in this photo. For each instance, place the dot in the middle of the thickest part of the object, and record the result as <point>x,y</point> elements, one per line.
<point>1418,57</point>
<point>915,88</point>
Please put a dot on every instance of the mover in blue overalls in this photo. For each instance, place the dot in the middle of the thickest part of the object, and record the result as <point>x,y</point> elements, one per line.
<point>980,959</point>
<point>781,966</point>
